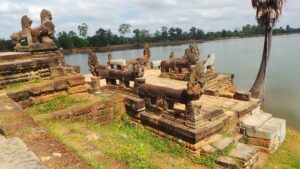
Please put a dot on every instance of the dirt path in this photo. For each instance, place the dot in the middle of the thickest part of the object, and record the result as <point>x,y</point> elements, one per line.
<point>53,154</point>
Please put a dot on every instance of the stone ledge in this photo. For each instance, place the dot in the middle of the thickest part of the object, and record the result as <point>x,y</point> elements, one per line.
<point>61,84</point>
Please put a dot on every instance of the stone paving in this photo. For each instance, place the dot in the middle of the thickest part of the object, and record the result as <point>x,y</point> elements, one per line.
<point>14,154</point>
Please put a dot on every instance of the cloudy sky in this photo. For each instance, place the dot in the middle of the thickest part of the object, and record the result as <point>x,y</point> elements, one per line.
<point>209,15</point>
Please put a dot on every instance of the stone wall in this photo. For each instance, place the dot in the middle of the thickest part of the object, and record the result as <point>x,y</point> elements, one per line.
<point>102,112</point>
<point>46,91</point>
<point>222,82</point>
<point>26,67</point>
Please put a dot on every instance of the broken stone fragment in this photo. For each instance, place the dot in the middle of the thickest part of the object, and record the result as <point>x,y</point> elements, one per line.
<point>211,92</point>
<point>243,96</point>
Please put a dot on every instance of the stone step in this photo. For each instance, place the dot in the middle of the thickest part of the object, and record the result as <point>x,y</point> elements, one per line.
<point>223,143</point>
<point>242,156</point>
<point>255,121</point>
<point>227,162</point>
<point>272,129</point>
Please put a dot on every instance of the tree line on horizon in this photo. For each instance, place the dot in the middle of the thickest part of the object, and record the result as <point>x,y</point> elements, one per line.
<point>105,37</point>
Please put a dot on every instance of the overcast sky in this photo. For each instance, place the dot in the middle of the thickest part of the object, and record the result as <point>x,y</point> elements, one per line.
<point>209,15</point>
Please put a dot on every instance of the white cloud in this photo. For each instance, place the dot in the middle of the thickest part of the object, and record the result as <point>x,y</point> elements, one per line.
<point>206,14</point>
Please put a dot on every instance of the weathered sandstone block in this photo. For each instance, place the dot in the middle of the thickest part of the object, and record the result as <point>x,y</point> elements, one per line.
<point>77,89</point>
<point>57,71</point>
<point>244,96</point>
<point>76,80</point>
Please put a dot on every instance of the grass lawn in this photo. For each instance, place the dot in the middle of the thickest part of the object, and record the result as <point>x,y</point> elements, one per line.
<point>288,155</point>
<point>121,145</point>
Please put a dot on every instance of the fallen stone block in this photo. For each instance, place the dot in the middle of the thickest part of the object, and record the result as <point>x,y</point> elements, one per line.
<point>207,149</point>
<point>243,96</point>
<point>223,143</point>
<point>260,142</point>
<point>246,155</point>
<point>95,83</point>
<point>77,89</point>
<point>60,85</point>
<point>76,80</point>
<point>227,162</point>
<point>57,71</point>
<point>211,92</point>
<point>134,103</point>
<point>280,125</point>
<point>255,121</point>
<point>265,132</point>
<point>19,95</point>
<point>226,95</point>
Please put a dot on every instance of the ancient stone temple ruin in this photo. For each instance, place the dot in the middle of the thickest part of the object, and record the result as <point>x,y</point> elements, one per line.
<point>143,61</point>
<point>189,102</point>
<point>186,100</point>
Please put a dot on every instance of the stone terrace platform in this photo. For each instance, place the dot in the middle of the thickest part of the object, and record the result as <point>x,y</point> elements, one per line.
<point>20,128</point>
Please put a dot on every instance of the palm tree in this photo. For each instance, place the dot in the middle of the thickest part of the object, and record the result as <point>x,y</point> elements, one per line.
<point>267,14</point>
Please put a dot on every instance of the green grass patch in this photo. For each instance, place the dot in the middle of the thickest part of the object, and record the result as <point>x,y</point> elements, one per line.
<point>57,103</point>
<point>288,154</point>
<point>134,147</point>
<point>23,85</point>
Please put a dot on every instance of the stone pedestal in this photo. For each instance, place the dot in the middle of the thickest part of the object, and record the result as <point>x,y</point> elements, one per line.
<point>95,83</point>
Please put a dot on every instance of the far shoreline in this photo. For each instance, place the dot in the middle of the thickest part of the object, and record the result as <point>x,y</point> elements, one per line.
<point>111,48</point>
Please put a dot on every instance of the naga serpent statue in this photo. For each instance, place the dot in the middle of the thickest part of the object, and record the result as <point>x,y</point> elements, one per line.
<point>191,57</point>
<point>111,75</point>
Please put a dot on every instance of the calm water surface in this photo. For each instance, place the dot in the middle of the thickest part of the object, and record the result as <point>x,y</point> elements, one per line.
<point>241,57</point>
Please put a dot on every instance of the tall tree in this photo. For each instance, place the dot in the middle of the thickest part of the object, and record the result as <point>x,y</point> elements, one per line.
<point>83,28</point>
<point>124,29</point>
<point>193,32</point>
<point>267,14</point>
<point>164,33</point>
<point>137,36</point>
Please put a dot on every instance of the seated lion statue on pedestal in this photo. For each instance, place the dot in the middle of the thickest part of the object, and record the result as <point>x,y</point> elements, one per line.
<point>42,34</point>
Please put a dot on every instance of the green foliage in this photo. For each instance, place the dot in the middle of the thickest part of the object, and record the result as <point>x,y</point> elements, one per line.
<point>208,161</point>
<point>135,156</point>
<point>57,103</point>
<point>104,37</point>
<point>6,45</point>
<point>134,146</point>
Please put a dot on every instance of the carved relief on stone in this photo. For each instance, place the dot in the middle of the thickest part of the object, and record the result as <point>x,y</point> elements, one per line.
<point>193,110</point>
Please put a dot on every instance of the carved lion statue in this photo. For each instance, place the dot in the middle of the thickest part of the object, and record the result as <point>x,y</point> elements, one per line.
<point>25,33</point>
<point>42,34</point>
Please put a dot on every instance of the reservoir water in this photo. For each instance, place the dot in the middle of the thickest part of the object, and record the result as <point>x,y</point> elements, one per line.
<point>241,57</point>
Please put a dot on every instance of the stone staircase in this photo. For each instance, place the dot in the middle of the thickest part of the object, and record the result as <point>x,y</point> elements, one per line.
<point>231,153</point>
<point>263,130</point>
